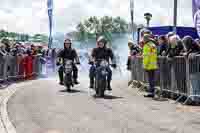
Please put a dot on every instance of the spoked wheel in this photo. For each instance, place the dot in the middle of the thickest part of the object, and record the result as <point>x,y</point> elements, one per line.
<point>68,88</point>
<point>68,82</point>
<point>96,88</point>
<point>100,88</point>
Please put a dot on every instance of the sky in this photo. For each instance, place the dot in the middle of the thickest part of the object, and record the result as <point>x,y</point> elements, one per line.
<point>30,16</point>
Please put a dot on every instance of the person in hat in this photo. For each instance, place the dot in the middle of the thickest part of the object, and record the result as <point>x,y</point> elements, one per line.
<point>133,51</point>
<point>150,63</point>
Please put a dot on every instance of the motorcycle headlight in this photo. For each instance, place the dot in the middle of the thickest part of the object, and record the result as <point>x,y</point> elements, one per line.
<point>68,69</point>
<point>104,63</point>
<point>68,62</point>
<point>104,72</point>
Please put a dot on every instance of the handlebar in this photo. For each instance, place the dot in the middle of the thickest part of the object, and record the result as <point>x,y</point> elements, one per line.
<point>98,61</point>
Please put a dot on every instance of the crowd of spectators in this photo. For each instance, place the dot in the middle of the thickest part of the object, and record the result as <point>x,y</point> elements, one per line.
<point>17,49</point>
<point>150,47</point>
<point>169,45</point>
<point>20,49</point>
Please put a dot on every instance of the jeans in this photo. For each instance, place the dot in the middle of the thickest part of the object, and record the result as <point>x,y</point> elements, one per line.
<point>92,73</point>
<point>151,79</point>
<point>195,82</point>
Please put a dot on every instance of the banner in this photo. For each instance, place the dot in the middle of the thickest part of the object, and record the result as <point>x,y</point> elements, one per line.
<point>196,14</point>
<point>50,14</point>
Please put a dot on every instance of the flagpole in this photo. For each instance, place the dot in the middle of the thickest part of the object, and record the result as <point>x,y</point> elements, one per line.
<point>50,14</point>
<point>175,16</point>
<point>132,17</point>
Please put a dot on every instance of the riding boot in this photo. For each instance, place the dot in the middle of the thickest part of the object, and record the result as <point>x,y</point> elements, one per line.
<point>76,81</point>
<point>108,85</point>
<point>60,73</point>
<point>91,83</point>
<point>75,75</point>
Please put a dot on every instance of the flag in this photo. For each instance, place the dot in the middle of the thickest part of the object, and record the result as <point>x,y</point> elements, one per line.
<point>50,4</point>
<point>196,14</point>
<point>50,14</point>
<point>132,16</point>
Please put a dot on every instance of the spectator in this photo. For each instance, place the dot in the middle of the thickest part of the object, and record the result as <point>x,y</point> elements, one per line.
<point>175,45</point>
<point>170,34</point>
<point>192,49</point>
<point>133,50</point>
<point>7,45</point>
<point>155,39</point>
<point>190,45</point>
<point>150,63</point>
<point>2,50</point>
<point>40,50</point>
<point>197,42</point>
<point>14,50</point>
<point>21,49</point>
<point>33,50</point>
<point>162,47</point>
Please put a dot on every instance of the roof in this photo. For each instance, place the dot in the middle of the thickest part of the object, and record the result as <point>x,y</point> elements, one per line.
<point>181,31</point>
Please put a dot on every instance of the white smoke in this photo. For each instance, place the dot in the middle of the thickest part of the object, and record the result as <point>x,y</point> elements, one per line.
<point>120,49</point>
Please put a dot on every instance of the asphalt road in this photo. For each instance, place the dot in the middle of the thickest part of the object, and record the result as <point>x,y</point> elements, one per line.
<point>43,108</point>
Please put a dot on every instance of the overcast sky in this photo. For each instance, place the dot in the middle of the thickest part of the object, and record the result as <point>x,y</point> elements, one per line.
<point>30,16</point>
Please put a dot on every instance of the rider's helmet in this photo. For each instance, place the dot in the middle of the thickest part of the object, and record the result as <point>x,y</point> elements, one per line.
<point>102,39</point>
<point>67,41</point>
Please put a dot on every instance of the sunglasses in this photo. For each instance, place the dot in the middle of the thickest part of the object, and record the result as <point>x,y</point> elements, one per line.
<point>67,43</point>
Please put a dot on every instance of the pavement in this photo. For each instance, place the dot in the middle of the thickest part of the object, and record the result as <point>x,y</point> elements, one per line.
<point>41,106</point>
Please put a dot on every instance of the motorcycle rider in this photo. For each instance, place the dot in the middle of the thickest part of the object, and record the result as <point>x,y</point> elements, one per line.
<point>99,53</point>
<point>68,53</point>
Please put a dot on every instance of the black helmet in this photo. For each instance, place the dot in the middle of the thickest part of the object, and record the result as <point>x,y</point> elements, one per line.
<point>102,39</point>
<point>70,41</point>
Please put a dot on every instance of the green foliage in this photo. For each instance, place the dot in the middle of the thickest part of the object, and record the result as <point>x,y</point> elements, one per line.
<point>93,27</point>
<point>22,37</point>
<point>39,38</point>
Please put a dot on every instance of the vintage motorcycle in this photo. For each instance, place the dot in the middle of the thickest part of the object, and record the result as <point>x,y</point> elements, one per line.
<point>68,68</point>
<point>101,75</point>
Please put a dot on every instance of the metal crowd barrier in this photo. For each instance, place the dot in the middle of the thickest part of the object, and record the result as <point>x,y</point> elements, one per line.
<point>3,69</point>
<point>179,75</point>
<point>19,67</point>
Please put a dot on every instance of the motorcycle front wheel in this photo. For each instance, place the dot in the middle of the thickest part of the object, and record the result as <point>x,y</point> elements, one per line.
<point>100,87</point>
<point>68,81</point>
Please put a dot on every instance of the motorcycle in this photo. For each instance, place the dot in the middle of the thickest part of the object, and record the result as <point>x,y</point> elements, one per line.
<point>101,75</point>
<point>68,68</point>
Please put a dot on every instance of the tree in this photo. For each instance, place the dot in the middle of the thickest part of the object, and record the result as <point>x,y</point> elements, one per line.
<point>106,24</point>
<point>93,27</point>
<point>3,33</point>
<point>120,25</point>
<point>81,34</point>
<point>12,34</point>
<point>40,38</point>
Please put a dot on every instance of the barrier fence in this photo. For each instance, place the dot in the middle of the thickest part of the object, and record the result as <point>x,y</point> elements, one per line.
<point>178,75</point>
<point>21,67</point>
